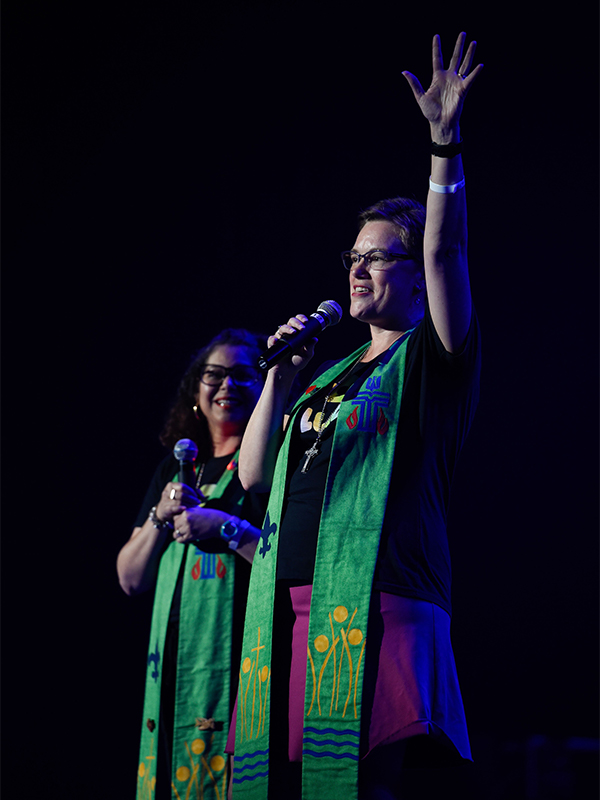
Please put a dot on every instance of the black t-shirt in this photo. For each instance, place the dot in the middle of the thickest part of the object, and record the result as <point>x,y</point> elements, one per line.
<point>301,511</point>
<point>439,398</point>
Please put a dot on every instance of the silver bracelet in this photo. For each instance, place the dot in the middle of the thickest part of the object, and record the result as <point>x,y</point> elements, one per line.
<point>452,188</point>
<point>159,524</point>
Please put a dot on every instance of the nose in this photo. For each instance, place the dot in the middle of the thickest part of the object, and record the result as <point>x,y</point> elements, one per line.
<point>227,381</point>
<point>360,267</point>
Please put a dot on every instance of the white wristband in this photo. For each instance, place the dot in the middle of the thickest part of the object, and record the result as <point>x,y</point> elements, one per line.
<point>451,189</point>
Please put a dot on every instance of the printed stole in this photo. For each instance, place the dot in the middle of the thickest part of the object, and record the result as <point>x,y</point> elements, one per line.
<point>202,693</point>
<point>352,518</point>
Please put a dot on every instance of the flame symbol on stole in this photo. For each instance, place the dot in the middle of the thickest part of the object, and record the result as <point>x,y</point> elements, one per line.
<point>196,569</point>
<point>352,420</point>
<point>221,568</point>
<point>382,423</point>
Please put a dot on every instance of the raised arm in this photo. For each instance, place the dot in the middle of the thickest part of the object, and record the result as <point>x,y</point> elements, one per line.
<point>445,242</point>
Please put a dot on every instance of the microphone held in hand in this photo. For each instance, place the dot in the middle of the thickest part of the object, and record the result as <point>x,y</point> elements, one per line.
<point>186,452</point>
<point>328,313</point>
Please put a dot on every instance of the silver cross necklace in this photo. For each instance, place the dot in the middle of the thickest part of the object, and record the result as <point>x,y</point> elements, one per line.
<point>315,448</point>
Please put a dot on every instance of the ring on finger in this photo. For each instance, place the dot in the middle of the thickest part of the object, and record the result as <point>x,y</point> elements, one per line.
<point>178,534</point>
<point>173,494</point>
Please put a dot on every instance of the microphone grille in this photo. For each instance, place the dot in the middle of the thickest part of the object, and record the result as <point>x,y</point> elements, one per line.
<point>185,450</point>
<point>331,310</point>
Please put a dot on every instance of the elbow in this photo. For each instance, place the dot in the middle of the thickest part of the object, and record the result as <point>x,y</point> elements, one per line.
<point>253,483</point>
<point>130,588</point>
<point>445,255</point>
<point>130,583</point>
<point>126,584</point>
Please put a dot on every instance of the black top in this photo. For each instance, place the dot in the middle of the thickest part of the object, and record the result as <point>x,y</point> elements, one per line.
<point>301,511</point>
<point>440,395</point>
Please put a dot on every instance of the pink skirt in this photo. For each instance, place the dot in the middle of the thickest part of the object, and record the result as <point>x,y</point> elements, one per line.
<point>410,681</point>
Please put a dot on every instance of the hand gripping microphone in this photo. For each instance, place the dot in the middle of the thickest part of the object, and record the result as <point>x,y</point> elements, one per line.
<point>328,313</point>
<point>186,452</point>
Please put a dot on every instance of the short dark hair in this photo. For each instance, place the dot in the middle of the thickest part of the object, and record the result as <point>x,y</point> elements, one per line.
<point>407,215</point>
<point>181,422</point>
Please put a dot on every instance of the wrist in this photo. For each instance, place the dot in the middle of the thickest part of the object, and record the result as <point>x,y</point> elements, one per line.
<point>442,134</point>
<point>160,524</point>
<point>279,382</point>
<point>233,530</point>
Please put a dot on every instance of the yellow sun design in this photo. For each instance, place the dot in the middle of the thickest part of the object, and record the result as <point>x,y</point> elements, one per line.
<point>355,636</point>
<point>217,763</point>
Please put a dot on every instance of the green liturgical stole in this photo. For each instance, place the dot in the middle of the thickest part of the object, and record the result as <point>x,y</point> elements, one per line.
<point>202,692</point>
<point>351,521</point>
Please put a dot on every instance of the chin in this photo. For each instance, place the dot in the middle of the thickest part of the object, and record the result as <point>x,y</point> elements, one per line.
<point>360,314</point>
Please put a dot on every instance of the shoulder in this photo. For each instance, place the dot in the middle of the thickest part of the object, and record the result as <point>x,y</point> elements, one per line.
<point>425,342</point>
<point>164,472</point>
<point>167,469</point>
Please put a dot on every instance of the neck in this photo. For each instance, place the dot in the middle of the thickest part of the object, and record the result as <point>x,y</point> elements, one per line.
<point>224,443</point>
<point>381,340</point>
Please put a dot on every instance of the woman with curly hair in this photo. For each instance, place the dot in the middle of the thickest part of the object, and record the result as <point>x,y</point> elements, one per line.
<point>186,544</point>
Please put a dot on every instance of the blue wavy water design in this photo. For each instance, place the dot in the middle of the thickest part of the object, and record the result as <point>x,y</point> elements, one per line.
<point>246,767</point>
<point>251,755</point>
<point>320,738</point>
<point>251,777</point>
<point>239,768</point>
<point>330,741</point>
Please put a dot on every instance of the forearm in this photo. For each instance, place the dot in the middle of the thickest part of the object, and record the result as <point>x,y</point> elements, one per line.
<point>248,543</point>
<point>263,434</point>
<point>137,563</point>
<point>446,225</point>
<point>445,245</point>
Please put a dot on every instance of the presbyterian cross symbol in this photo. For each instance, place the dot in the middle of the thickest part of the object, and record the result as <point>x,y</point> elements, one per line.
<point>370,407</point>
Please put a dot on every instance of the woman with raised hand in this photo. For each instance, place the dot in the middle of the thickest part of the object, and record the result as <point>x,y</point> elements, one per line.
<point>349,605</point>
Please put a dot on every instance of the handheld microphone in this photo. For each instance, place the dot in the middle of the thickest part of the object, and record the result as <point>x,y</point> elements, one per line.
<point>328,313</point>
<point>186,452</point>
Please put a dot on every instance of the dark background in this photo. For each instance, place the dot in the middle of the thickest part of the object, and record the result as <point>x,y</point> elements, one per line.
<point>172,169</point>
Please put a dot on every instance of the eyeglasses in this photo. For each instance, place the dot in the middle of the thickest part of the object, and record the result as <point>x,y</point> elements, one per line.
<point>240,374</point>
<point>374,259</point>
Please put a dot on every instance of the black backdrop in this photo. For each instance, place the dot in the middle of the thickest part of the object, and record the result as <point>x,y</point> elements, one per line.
<point>173,169</point>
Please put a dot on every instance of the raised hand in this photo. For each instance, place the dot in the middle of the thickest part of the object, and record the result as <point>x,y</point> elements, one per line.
<point>442,103</point>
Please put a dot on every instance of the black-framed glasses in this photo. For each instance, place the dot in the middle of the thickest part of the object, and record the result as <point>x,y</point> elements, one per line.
<point>240,374</point>
<point>374,259</point>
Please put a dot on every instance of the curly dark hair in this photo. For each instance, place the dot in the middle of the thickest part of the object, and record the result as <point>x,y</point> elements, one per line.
<point>181,422</point>
<point>407,215</point>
